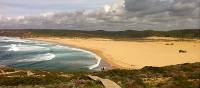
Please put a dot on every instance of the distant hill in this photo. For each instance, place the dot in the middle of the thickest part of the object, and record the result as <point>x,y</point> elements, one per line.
<point>185,33</point>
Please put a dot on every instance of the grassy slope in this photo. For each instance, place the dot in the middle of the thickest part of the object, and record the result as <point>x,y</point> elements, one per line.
<point>176,76</point>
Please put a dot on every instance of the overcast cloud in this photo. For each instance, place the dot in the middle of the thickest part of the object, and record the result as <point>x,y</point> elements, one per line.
<point>121,15</point>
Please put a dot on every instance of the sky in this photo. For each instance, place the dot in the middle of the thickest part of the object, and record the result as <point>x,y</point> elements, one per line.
<point>14,8</point>
<point>111,15</point>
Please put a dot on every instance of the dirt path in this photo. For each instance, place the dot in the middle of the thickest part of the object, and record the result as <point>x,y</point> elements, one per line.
<point>7,73</point>
<point>106,82</point>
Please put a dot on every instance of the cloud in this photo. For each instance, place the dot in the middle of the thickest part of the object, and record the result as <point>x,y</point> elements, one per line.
<point>145,7</point>
<point>122,15</point>
<point>174,7</point>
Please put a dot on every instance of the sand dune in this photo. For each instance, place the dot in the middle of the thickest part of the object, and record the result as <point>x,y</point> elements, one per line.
<point>136,54</point>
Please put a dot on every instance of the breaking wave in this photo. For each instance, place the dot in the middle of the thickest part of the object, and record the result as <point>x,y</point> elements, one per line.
<point>40,57</point>
<point>93,54</point>
<point>19,47</point>
<point>21,52</point>
<point>11,39</point>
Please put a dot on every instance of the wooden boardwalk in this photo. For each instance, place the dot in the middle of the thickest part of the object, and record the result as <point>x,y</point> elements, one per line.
<point>106,82</point>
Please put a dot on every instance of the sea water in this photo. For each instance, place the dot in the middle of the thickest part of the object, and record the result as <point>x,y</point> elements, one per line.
<point>29,54</point>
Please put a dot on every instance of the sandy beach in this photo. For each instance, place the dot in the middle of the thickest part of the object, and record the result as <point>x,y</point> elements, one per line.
<point>136,54</point>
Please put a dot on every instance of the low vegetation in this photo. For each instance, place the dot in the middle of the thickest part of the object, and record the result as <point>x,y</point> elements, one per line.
<point>128,34</point>
<point>175,76</point>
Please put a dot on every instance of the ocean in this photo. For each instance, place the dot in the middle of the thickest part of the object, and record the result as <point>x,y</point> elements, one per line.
<point>30,54</point>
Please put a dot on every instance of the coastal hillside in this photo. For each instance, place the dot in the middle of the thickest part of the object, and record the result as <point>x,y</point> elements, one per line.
<point>128,34</point>
<point>139,48</point>
<point>175,76</point>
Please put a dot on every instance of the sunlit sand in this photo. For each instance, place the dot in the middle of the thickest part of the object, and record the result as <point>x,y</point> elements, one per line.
<point>136,54</point>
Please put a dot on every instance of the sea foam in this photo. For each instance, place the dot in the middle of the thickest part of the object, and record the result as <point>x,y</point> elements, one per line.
<point>20,47</point>
<point>40,57</point>
<point>16,39</point>
<point>13,47</point>
<point>93,54</point>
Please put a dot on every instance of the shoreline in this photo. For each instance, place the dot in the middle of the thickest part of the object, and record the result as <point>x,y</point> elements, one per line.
<point>105,61</point>
<point>109,51</point>
<point>102,63</point>
<point>96,66</point>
